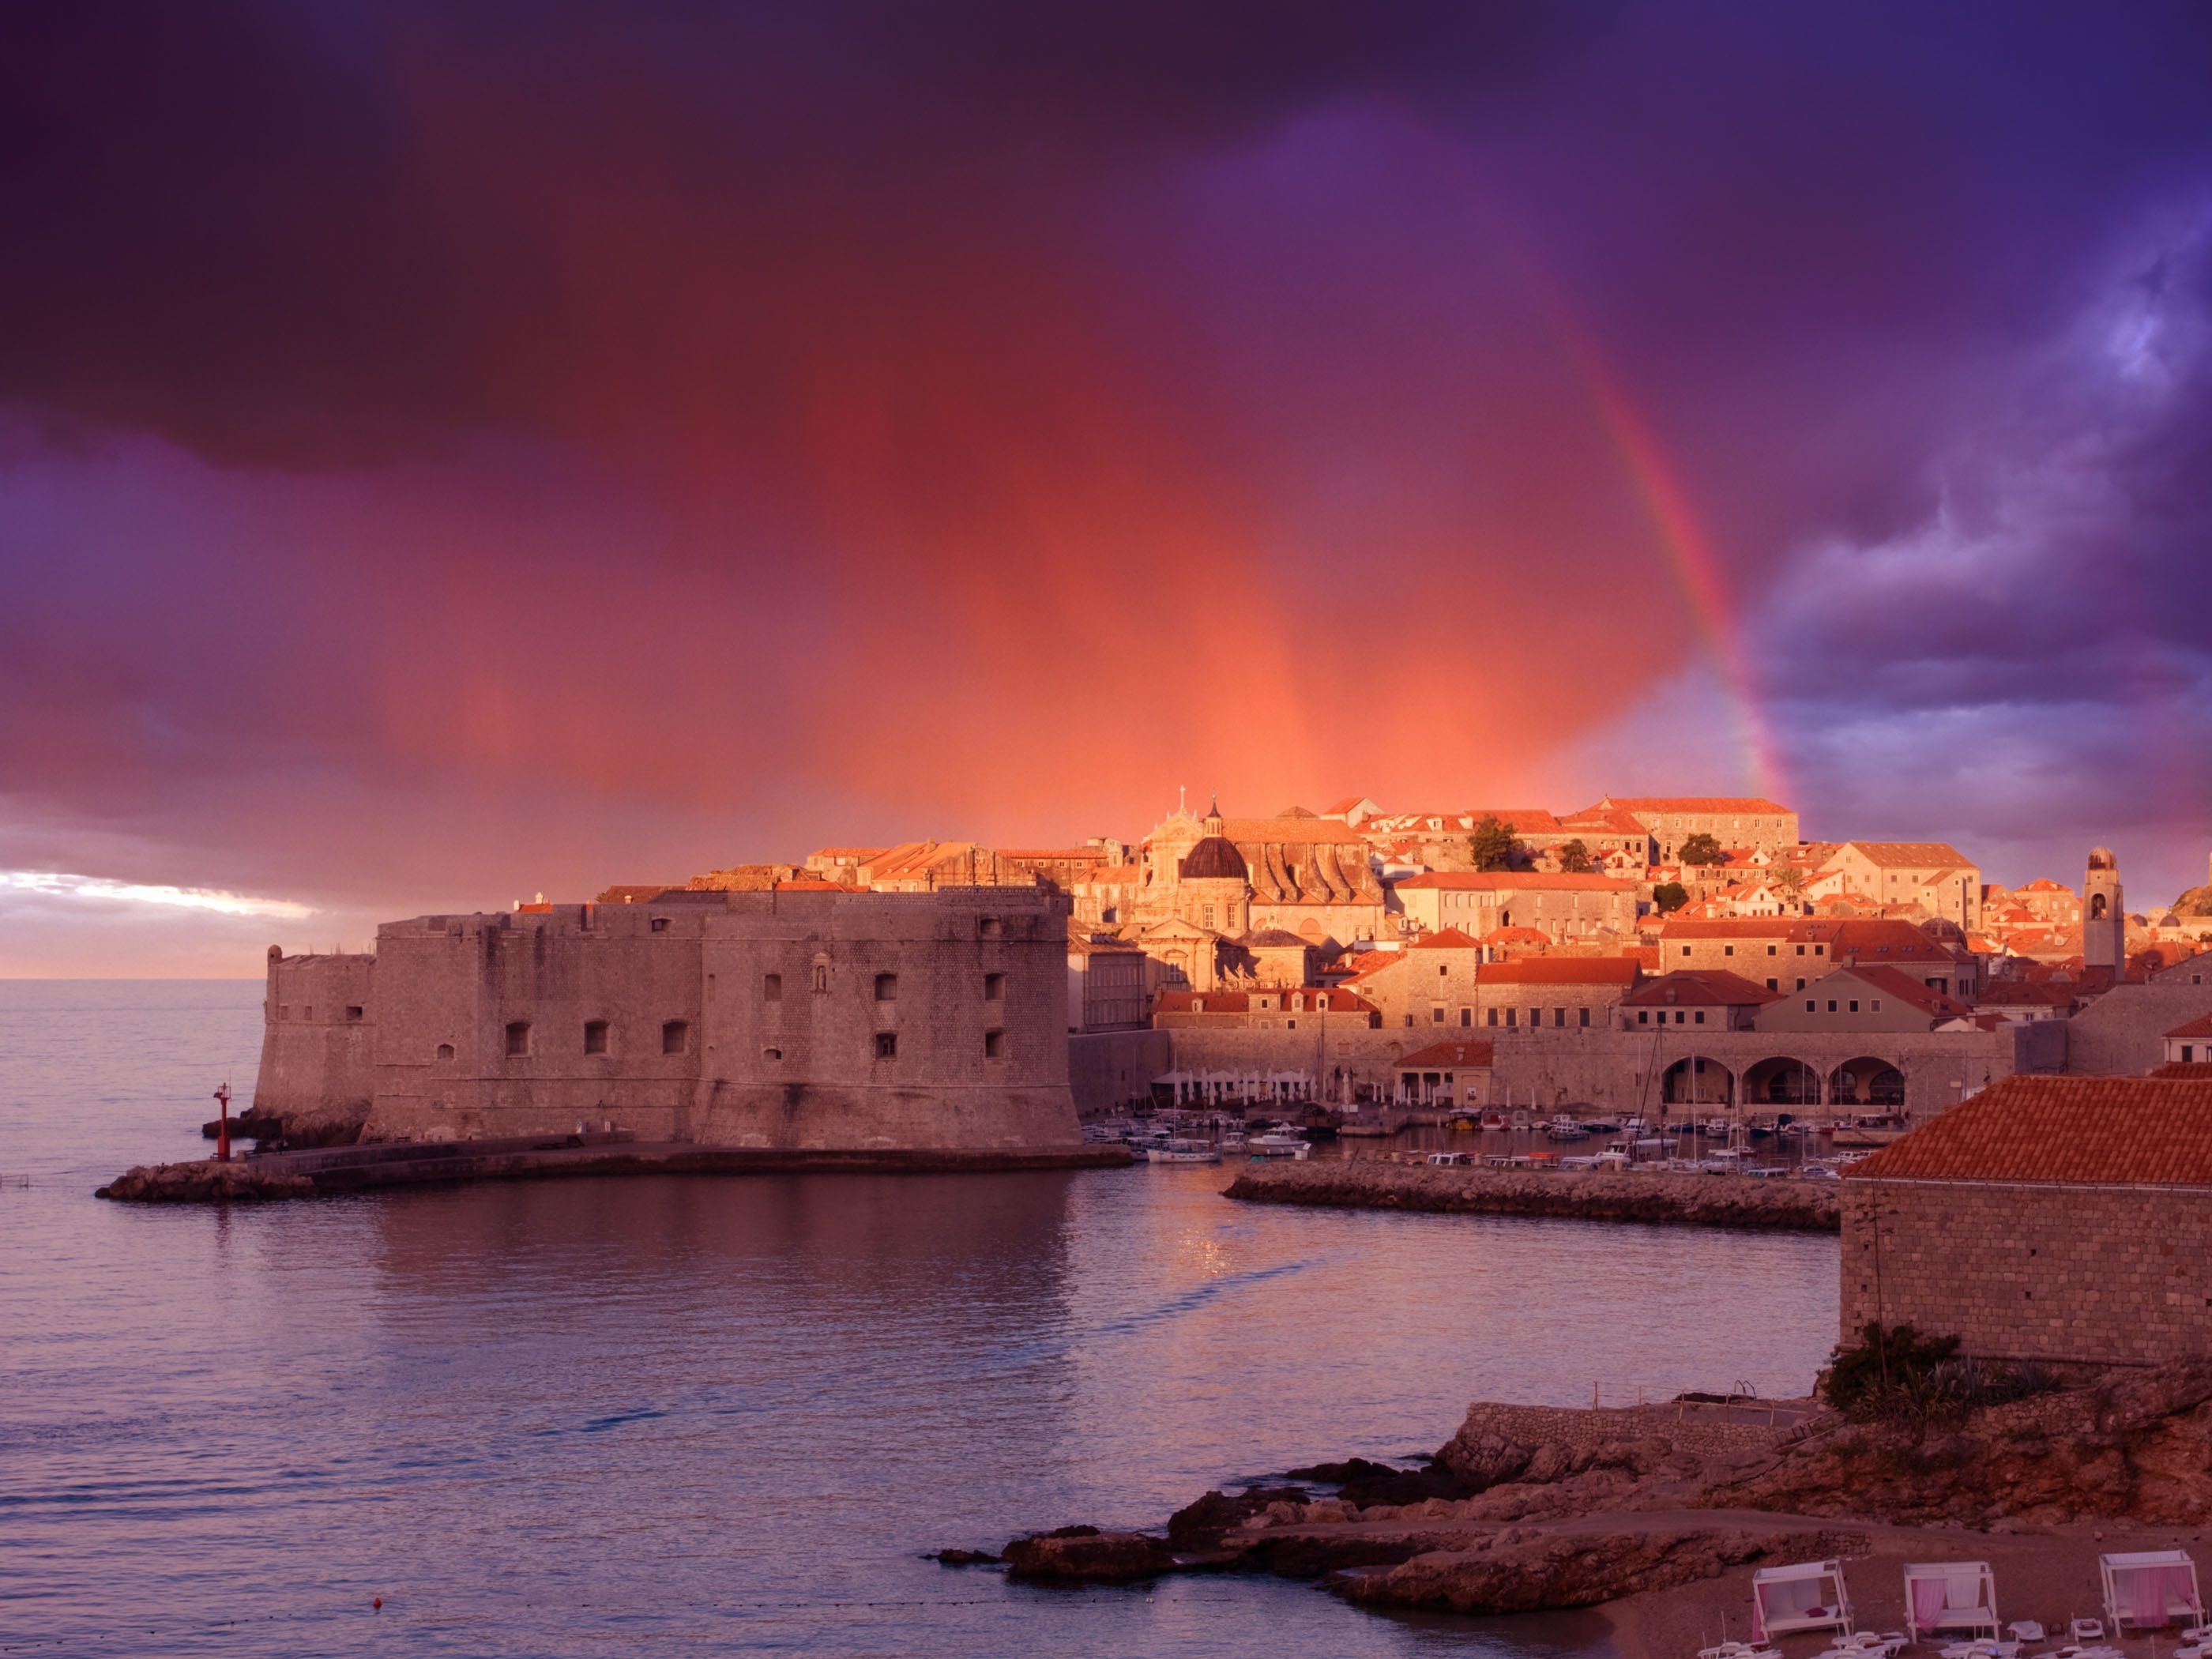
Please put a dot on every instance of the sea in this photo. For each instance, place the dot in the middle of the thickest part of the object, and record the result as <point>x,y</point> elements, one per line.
<point>729,1414</point>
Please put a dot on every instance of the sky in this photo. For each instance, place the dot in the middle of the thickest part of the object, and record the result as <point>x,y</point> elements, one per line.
<point>451,453</point>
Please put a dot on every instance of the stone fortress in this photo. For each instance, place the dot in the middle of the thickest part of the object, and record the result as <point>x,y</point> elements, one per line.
<point>782,1019</point>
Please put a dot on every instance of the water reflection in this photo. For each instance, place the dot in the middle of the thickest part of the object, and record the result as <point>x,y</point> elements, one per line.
<point>588,1417</point>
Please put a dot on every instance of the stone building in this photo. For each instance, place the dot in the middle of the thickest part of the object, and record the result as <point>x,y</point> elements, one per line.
<point>1107,988</point>
<point>1932,876</point>
<point>2064,1220</point>
<point>1694,997</point>
<point>2104,915</point>
<point>1860,998</point>
<point>2190,1044</point>
<point>1432,981</point>
<point>1563,907</point>
<point>1730,820</point>
<point>1305,875</point>
<point>1564,993</point>
<point>817,1019</point>
<point>1786,953</point>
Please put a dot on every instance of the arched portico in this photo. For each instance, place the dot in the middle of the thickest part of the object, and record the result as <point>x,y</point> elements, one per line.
<point>1868,1084</point>
<point>1782,1081</point>
<point>1698,1080</point>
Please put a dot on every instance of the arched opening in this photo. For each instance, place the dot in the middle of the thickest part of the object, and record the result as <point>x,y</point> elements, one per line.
<point>1867,1085</point>
<point>1781,1082</point>
<point>2096,907</point>
<point>1695,1080</point>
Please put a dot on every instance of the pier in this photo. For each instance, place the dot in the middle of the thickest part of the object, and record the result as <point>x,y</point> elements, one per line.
<point>1706,1200</point>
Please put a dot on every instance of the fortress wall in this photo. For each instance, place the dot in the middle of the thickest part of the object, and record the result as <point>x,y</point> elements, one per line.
<point>2123,1032</point>
<point>1321,1045</point>
<point>1107,1069</point>
<point>695,1048</point>
<point>317,1052</point>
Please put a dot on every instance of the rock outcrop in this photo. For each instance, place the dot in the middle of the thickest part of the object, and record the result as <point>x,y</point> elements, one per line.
<point>1086,1555</point>
<point>336,1125</point>
<point>1710,1200</point>
<point>204,1181</point>
<point>1521,1570</point>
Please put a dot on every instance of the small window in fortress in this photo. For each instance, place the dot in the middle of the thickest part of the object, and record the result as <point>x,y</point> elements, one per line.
<point>660,924</point>
<point>308,1012</point>
<point>887,987</point>
<point>821,975</point>
<point>283,1011</point>
<point>595,1036</point>
<point>771,988</point>
<point>886,1045</point>
<point>518,1037</point>
<point>445,1051</point>
<point>994,987</point>
<point>771,1054</point>
<point>994,1045</point>
<point>352,1012</point>
<point>991,928</point>
<point>675,1037</point>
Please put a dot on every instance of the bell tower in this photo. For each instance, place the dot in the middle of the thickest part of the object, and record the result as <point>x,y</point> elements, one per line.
<point>2104,915</point>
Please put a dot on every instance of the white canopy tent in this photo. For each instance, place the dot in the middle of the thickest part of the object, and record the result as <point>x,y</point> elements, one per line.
<point>1809,1595</point>
<point>1949,1595</point>
<point>2151,1587</point>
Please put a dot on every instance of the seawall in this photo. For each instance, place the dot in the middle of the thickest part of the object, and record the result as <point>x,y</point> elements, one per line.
<point>368,1168</point>
<point>1705,1200</point>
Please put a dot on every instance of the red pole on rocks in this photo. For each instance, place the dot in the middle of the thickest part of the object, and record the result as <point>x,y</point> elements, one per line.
<point>222,1126</point>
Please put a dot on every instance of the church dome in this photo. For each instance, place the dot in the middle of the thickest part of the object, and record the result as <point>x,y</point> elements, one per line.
<point>2102,858</point>
<point>1214,859</point>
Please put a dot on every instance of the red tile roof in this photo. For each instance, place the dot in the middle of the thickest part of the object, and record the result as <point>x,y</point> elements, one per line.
<point>1447,938</point>
<point>2070,1131</point>
<point>1912,854</point>
<point>1473,1056</point>
<point>1561,971</point>
<point>1690,986</point>
<point>1752,805</point>
<point>2199,1027</point>
<point>2024,994</point>
<point>1892,981</point>
<point>1338,1000</point>
<point>2187,1070</point>
<point>1516,881</point>
<point>1259,832</point>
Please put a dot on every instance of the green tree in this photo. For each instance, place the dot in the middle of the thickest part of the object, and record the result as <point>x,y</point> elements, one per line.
<point>1670,897</point>
<point>1495,846</point>
<point>1574,858</point>
<point>1702,849</point>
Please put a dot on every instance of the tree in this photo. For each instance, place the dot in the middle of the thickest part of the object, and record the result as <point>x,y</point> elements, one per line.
<point>1574,858</point>
<point>1702,849</point>
<point>1670,897</point>
<point>1494,847</point>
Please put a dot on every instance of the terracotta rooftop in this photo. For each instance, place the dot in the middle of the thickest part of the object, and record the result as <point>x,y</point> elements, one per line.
<point>1562,970</point>
<point>1512,881</point>
<point>2062,1131</point>
<point>633,892</point>
<point>1289,831</point>
<point>1690,986</point>
<point>1912,854</point>
<point>1892,981</point>
<point>2185,1070</point>
<point>2200,1027</point>
<point>1318,999</point>
<point>1440,1054</point>
<point>1750,805</point>
<point>1446,939</point>
<point>2024,994</point>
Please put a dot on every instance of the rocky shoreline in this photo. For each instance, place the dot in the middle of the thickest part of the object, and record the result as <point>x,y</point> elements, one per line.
<point>1657,1513</point>
<point>1705,1200</point>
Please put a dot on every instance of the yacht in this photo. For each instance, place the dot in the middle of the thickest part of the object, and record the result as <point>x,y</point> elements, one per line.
<point>1564,1128</point>
<point>1279,1144</point>
<point>1182,1151</point>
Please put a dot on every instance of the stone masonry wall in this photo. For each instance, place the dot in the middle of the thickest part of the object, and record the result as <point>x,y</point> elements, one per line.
<point>2121,1034</point>
<point>2084,1275</point>
<point>1586,1429</point>
<point>318,1035</point>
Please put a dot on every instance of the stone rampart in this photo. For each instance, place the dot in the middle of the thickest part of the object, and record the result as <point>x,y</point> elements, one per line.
<point>2122,1033</point>
<point>1107,1071</point>
<point>2079,1275</point>
<point>1686,1427</point>
<point>318,1048</point>
<point>1710,1200</point>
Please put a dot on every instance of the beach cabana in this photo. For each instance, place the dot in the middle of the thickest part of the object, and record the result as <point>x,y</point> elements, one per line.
<point>2150,1587</point>
<point>1950,1595</point>
<point>1809,1595</point>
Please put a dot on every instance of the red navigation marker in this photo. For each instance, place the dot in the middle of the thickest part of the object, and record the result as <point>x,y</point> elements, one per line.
<point>222,1126</point>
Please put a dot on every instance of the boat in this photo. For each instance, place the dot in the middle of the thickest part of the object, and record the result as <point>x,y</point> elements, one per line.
<point>1600,1126</point>
<point>1634,1125</point>
<point>1519,1120</point>
<point>1716,1126</point>
<point>1447,1160</point>
<point>1818,1172</point>
<point>1279,1144</point>
<point>1182,1151</point>
<point>1564,1128</point>
<point>1493,1120</point>
<point>1724,1160</point>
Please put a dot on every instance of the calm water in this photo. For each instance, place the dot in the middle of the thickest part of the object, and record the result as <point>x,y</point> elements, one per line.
<point>709,1415</point>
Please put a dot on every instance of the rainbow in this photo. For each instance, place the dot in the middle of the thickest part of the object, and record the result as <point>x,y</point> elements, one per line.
<point>1689,550</point>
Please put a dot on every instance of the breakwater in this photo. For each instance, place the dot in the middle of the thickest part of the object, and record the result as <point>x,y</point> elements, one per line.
<point>1706,1200</point>
<point>409,1163</point>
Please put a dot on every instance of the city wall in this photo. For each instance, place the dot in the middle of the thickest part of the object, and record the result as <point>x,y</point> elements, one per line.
<point>2123,1032</point>
<point>791,1022</point>
<point>2074,1275</point>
